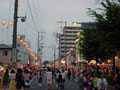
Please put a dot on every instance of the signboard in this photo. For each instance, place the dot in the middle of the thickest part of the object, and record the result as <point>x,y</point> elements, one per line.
<point>14,55</point>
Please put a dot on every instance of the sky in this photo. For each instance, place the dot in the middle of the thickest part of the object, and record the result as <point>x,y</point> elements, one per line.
<point>46,13</point>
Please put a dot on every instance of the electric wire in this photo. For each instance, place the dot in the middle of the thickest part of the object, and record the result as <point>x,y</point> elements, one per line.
<point>9,13</point>
<point>32,15</point>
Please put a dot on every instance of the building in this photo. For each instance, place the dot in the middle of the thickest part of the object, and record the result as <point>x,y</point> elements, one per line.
<point>5,54</point>
<point>67,40</point>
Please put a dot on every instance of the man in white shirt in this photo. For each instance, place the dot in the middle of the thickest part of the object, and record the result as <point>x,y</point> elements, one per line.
<point>102,83</point>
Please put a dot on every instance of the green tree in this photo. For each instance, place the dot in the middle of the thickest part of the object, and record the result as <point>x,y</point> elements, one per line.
<point>108,33</point>
<point>46,62</point>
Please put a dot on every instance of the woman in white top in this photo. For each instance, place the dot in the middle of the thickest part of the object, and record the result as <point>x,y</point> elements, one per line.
<point>49,79</point>
<point>63,78</point>
<point>12,77</point>
<point>102,83</point>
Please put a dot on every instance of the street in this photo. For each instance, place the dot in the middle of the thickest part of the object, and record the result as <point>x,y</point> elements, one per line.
<point>69,85</point>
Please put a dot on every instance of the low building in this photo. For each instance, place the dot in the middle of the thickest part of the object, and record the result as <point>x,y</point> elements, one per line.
<point>5,54</point>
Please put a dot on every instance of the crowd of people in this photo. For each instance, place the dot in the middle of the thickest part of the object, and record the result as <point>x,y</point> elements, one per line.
<point>16,79</point>
<point>20,79</point>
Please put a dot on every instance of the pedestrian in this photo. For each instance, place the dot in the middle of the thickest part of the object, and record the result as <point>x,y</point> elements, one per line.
<point>19,79</point>
<point>82,81</point>
<point>69,74</point>
<point>40,74</point>
<point>12,77</point>
<point>0,76</point>
<point>89,85</point>
<point>102,83</point>
<point>94,79</point>
<point>49,79</point>
<point>57,78</point>
<point>73,75</point>
<point>63,78</point>
<point>5,79</point>
<point>27,78</point>
<point>117,82</point>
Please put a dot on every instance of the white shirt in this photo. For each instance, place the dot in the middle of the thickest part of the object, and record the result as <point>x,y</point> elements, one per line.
<point>49,75</point>
<point>12,76</point>
<point>63,75</point>
<point>100,81</point>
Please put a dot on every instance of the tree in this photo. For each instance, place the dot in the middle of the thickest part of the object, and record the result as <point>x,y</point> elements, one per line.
<point>103,41</point>
<point>46,62</point>
<point>108,32</point>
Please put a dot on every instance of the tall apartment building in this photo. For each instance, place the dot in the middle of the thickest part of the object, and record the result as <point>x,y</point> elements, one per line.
<point>67,39</point>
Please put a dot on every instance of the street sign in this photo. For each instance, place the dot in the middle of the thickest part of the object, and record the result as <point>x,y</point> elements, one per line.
<point>14,55</point>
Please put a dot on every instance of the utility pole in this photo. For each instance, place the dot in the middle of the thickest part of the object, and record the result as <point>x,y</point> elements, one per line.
<point>14,55</point>
<point>38,46</point>
<point>54,48</point>
<point>64,32</point>
<point>41,44</point>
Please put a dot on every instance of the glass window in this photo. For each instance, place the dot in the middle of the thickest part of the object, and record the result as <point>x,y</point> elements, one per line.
<point>5,53</point>
<point>18,45</point>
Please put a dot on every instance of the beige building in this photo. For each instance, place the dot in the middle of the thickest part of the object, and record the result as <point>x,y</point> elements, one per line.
<point>5,54</point>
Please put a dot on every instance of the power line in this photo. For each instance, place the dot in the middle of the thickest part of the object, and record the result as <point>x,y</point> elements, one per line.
<point>32,15</point>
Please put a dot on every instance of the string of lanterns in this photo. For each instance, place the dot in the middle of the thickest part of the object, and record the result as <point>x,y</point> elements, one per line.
<point>28,48</point>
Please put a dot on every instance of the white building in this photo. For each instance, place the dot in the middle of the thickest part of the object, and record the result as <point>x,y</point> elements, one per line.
<point>67,39</point>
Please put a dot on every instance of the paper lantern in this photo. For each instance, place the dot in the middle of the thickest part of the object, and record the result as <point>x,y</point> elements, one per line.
<point>3,22</point>
<point>11,23</point>
<point>109,61</point>
<point>116,57</point>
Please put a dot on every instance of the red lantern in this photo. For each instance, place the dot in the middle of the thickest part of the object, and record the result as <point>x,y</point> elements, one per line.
<point>116,57</point>
<point>18,37</point>
<point>103,63</point>
<point>109,61</point>
<point>11,23</point>
<point>98,64</point>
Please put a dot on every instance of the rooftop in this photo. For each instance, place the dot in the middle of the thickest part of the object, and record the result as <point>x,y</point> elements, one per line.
<point>4,46</point>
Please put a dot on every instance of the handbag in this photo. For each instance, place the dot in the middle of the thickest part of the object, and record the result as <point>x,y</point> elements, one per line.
<point>27,83</point>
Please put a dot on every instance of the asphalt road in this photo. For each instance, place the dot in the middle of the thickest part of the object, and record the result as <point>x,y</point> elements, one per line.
<point>69,85</point>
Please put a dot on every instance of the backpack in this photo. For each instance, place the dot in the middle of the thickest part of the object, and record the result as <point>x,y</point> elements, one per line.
<point>102,85</point>
<point>60,76</point>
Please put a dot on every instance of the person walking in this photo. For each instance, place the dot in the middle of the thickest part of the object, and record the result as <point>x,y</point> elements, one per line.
<point>102,83</point>
<point>40,75</point>
<point>69,74</point>
<point>19,79</point>
<point>73,75</point>
<point>117,82</point>
<point>89,83</point>
<point>94,79</point>
<point>63,78</point>
<point>49,79</point>
<point>12,77</point>
<point>5,79</point>
<point>26,80</point>
<point>82,81</point>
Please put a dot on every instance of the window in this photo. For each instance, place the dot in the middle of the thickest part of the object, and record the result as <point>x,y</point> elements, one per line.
<point>19,56</point>
<point>5,53</point>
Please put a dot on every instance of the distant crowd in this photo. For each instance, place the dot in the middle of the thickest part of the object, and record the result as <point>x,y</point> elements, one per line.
<point>20,79</point>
